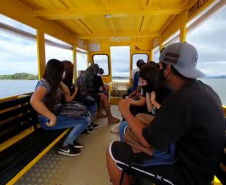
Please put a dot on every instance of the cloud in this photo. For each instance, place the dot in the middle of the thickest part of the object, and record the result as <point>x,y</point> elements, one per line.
<point>212,68</point>
<point>209,39</point>
<point>18,67</point>
<point>22,54</point>
<point>17,24</point>
<point>58,53</point>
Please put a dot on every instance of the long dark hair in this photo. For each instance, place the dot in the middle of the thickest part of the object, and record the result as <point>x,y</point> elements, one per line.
<point>93,69</point>
<point>149,72</point>
<point>68,68</point>
<point>53,75</point>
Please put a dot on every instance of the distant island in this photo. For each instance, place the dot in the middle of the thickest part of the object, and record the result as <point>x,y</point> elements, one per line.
<point>208,76</point>
<point>215,76</point>
<point>19,76</point>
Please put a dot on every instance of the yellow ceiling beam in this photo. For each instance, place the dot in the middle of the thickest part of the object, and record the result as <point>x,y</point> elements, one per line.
<point>114,11</point>
<point>105,4</point>
<point>84,26</point>
<point>184,18</point>
<point>13,10</point>
<point>120,34</point>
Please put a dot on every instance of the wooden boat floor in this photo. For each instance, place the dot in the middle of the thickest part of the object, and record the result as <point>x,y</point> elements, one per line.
<point>87,169</point>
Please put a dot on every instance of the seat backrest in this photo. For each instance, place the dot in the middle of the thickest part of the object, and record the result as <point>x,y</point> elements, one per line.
<point>16,115</point>
<point>161,157</point>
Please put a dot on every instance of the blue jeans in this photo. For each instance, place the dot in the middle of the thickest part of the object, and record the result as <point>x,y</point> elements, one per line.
<point>92,109</point>
<point>77,125</point>
<point>122,127</point>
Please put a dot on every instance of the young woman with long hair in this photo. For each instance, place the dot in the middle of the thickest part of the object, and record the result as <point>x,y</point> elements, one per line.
<point>46,100</point>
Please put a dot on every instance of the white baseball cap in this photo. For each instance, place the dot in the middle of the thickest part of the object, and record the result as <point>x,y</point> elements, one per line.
<point>183,57</point>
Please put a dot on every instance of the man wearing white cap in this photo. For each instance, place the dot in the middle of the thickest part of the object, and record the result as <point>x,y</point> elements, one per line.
<point>191,117</point>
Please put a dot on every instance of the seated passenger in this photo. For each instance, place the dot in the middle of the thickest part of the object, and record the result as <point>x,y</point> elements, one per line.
<point>132,91</point>
<point>86,87</point>
<point>148,80</point>
<point>156,91</point>
<point>192,117</point>
<point>154,97</point>
<point>46,100</point>
<point>99,85</point>
<point>68,80</point>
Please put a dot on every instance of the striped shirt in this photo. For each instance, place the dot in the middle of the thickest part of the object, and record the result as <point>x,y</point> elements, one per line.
<point>46,85</point>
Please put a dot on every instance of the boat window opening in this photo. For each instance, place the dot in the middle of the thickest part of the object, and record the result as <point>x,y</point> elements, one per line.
<point>156,54</point>
<point>13,23</point>
<point>103,62</point>
<point>202,13</point>
<point>17,29</point>
<point>136,57</point>
<point>211,47</point>
<point>172,39</point>
<point>54,41</point>
<point>120,63</point>
<point>215,7</point>
<point>21,55</point>
<point>81,61</point>
<point>58,53</point>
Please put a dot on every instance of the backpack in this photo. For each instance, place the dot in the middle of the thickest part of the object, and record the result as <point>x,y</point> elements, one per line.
<point>74,110</point>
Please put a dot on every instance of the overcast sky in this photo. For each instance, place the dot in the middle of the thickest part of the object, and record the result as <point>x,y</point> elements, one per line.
<point>20,55</point>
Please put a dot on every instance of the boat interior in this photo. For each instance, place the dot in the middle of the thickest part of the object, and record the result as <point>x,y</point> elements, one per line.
<point>92,27</point>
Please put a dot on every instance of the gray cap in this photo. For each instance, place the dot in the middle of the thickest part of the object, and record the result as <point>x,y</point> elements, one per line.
<point>183,57</point>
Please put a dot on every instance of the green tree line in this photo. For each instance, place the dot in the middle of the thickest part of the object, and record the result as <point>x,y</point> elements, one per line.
<point>19,76</point>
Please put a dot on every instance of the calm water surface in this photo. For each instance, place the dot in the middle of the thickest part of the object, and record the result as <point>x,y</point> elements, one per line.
<point>16,87</point>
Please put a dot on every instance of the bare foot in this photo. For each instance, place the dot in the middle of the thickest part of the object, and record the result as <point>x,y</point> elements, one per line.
<point>113,120</point>
<point>101,115</point>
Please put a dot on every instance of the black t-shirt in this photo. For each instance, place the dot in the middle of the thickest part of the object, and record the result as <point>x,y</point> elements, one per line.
<point>143,92</point>
<point>162,92</point>
<point>192,118</point>
<point>97,83</point>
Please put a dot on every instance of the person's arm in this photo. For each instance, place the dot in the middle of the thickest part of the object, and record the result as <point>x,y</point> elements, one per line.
<point>153,100</point>
<point>137,90</point>
<point>140,102</point>
<point>39,106</point>
<point>133,123</point>
<point>148,101</point>
<point>65,90</point>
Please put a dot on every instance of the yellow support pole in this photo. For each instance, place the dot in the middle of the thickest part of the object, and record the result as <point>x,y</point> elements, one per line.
<point>75,63</point>
<point>41,53</point>
<point>151,55</point>
<point>183,33</point>
<point>160,43</point>
<point>89,56</point>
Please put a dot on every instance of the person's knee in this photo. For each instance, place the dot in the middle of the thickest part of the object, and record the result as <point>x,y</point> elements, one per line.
<point>105,98</point>
<point>87,120</point>
<point>138,115</point>
<point>101,97</point>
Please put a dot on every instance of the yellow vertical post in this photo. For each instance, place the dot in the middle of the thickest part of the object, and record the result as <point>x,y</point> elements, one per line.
<point>151,55</point>
<point>160,43</point>
<point>74,63</point>
<point>183,33</point>
<point>41,53</point>
<point>89,56</point>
